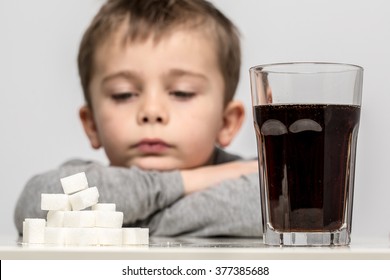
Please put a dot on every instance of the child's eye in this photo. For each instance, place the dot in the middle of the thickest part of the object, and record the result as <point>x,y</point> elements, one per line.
<point>182,94</point>
<point>124,96</point>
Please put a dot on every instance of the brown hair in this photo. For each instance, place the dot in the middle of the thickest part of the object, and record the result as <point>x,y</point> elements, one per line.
<point>157,17</point>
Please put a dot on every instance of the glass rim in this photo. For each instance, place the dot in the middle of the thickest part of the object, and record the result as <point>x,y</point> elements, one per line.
<point>270,67</point>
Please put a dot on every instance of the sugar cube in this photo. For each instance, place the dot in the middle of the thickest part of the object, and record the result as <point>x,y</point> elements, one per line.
<point>109,219</point>
<point>55,201</point>
<point>84,198</point>
<point>74,183</point>
<point>79,219</point>
<point>104,207</point>
<point>55,219</point>
<point>135,236</point>
<point>34,231</point>
<point>55,235</point>
<point>129,236</point>
<point>81,236</point>
<point>109,236</point>
<point>143,236</point>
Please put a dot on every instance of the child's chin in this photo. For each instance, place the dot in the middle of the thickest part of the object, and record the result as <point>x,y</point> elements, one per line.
<point>157,165</point>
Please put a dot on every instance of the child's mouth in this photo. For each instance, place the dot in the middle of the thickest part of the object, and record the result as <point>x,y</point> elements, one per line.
<point>152,146</point>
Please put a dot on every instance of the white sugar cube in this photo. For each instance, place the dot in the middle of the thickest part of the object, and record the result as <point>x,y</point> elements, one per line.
<point>104,207</point>
<point>81,236</point>
<point>109,219</point>
<point>55,219</point>
<point>74,183</point>
<point>130,236</point>
<point>109,236</point>
<point>55,235</point>
<point>55,201</point>
<point>84,198</point>
<point>79,219</point>
<point>143,236</point>
<point>135,236</point>
<point>34,231</point>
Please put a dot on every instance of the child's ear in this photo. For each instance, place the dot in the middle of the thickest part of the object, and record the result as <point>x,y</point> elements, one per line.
<point>233,118</point>
<point>86,117</point>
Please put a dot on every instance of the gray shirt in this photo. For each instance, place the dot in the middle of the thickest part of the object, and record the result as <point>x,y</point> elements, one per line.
<point>156,199</point>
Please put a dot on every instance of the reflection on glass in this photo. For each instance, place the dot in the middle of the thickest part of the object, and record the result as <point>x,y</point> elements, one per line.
<point>273,127</point>
<point>305,125</point>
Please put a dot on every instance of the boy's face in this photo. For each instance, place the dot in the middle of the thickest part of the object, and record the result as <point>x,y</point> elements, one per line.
<point>156,105</point>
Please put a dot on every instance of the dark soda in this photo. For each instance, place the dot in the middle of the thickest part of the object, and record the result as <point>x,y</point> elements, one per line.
<point>306,158</point>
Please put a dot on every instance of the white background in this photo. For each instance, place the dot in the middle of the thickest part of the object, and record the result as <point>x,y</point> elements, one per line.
<point>40,92</point>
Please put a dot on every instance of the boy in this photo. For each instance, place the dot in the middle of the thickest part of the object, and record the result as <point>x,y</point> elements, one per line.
<point>158,80</point>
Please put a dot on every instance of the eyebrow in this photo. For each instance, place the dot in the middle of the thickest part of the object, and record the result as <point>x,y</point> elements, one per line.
<point>128,75</point>
<point>132,76</point>
<point>181,73</point>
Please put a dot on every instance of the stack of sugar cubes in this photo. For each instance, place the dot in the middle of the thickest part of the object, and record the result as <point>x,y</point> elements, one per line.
<point>69,223</point>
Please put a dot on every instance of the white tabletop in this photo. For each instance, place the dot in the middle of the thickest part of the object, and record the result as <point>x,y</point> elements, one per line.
<point>195,248</point>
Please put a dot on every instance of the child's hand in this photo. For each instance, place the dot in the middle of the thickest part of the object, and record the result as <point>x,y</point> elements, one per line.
<point>204,177</point>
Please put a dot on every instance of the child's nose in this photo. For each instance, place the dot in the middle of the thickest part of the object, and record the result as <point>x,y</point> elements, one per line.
<point>151,119</point>
<point>152,111</point>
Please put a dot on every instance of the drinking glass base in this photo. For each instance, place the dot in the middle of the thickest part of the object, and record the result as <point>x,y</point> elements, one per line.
<point>336,238</point>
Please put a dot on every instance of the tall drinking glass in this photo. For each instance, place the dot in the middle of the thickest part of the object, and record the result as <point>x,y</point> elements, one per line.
<point>306,118</point>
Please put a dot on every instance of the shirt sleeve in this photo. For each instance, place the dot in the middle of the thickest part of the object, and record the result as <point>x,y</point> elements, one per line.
<point>231,208</point>
<point>136,193</point>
